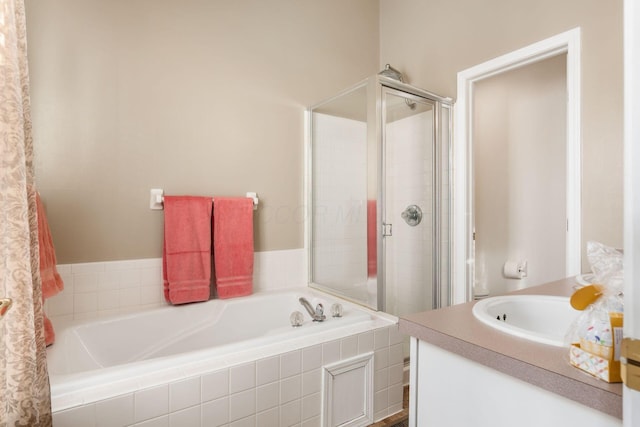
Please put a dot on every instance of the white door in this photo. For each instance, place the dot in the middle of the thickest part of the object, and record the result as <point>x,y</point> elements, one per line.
<point>631,402</point>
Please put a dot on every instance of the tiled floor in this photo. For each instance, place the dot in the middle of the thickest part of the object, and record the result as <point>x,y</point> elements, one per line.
<point>401,419</point>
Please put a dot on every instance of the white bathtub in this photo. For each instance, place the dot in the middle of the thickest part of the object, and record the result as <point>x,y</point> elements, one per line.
<point>96,360</point>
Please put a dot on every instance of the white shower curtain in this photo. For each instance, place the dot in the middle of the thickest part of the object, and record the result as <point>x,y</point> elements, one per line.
<point>25,398</point>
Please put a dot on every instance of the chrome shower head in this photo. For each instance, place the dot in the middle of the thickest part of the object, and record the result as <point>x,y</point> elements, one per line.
<point>392,73</point>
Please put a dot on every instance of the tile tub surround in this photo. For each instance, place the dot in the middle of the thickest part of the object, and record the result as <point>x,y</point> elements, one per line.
<point>278,390</point>
<point>98,289</point>
<point>283,391</point>
<point>455,329</point>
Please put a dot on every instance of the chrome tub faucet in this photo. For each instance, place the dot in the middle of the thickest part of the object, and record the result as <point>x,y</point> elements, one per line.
<point>318,314</point>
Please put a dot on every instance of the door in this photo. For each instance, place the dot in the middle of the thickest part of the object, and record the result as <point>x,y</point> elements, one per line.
<point>408,220</point>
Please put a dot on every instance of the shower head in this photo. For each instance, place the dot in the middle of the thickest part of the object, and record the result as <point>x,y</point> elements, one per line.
<point>392,73</point>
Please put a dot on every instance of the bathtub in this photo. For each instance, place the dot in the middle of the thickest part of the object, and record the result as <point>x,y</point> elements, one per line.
<point>97,360</point>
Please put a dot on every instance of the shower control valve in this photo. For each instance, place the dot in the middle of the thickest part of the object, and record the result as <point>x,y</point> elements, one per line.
<point>412,215</point>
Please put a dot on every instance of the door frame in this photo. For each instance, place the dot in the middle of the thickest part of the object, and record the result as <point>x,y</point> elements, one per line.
<point>631,398</point>
<point>568,43</point>
<point>387,217</point>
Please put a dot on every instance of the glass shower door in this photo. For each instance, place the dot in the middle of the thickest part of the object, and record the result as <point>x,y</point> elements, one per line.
<point>343,220</point>
<point>378,190</point>
<point>409,223</point>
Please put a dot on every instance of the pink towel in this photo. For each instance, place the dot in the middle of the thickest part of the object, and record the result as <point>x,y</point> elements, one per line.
<point>51,281</point>
<point>186,257</point>
<point>233,246</point>
<point>372,239</point>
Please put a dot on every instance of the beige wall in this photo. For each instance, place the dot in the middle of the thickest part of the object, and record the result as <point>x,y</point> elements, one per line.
<point>431,41</point>
<point>207,97</point>
<point>196,97</point>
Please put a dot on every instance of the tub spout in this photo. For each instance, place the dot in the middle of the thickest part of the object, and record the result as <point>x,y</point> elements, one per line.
<point>318,314</point>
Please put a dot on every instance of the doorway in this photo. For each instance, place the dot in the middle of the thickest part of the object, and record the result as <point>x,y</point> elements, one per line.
<point>567,43</point>
<point>519,178</point>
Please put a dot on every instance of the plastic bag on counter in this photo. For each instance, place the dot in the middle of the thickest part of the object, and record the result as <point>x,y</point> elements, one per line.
<point>596,334</point>
<point>607,266</point>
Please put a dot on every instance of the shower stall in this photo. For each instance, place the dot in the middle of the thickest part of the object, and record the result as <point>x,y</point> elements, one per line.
<point>378,169</point>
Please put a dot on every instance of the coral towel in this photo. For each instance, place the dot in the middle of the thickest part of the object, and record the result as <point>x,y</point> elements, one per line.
<point>186,257</point>
<point>51,281</point>
<point>233,246</point>
<point>372,242</point>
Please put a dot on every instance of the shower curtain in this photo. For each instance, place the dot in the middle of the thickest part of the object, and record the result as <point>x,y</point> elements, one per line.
<point>24,383</point>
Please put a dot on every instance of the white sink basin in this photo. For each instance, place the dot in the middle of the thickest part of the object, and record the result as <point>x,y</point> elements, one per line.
<point>540,318</point>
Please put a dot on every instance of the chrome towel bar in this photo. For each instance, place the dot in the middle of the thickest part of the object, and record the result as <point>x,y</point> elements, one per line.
<point>156,199</point>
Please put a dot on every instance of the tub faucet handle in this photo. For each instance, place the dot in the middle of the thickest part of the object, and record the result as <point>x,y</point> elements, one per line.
<point>318,314</point>
<point>296,319</point>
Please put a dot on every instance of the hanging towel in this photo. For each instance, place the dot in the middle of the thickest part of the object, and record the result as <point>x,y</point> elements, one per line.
<point>233,246</point>
<point>51,281</point>
<point>372,242</point>
<point>186,256</point>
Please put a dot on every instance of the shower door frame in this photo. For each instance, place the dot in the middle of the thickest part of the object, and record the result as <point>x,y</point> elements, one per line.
<point>436,194</point>
<point>441,297</point>
<point>375,86</point>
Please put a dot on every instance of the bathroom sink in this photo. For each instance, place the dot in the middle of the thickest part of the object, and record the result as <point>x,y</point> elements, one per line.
<point>540,318</point>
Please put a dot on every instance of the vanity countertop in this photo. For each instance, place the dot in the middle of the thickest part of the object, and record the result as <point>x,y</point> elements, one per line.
<point>455,329</point>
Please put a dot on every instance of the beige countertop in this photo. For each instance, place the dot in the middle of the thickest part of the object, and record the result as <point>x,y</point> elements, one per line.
<point>455,329</point>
